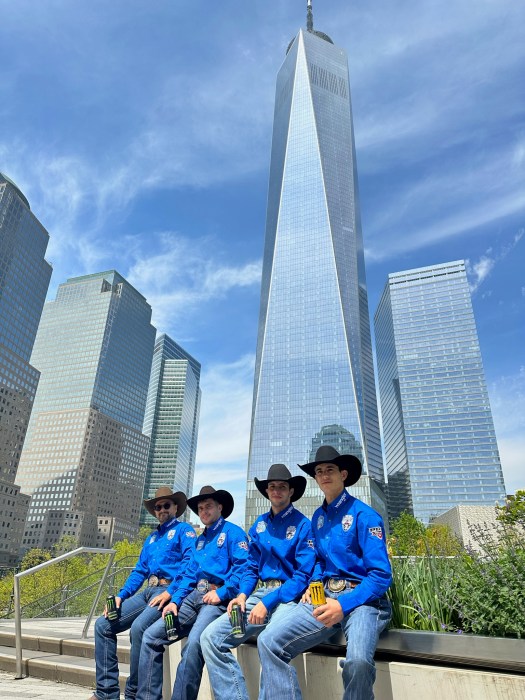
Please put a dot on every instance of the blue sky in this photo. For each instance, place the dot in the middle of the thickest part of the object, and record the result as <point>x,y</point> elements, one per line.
<point>140,133</point>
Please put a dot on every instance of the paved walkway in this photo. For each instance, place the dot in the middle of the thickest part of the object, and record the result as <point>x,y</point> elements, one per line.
<point>39,689</point>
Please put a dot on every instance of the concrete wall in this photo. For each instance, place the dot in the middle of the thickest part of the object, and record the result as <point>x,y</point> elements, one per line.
<point>320,677</point>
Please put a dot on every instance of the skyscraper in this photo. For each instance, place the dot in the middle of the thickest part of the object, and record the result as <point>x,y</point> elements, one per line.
<point>85,456</point>
<point>24,279</point>
<point>439,439</point>
<point>172,420</point>
<point>314,364</point>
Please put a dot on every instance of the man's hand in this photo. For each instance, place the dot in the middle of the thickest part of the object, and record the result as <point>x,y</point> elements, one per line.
<point>330,613</point>
<point>117,602</point>
<point>258,614</point>
<point>239,600</point>
<point>160,600</point>
<point>211,598</point>
<point>306,597</point>
<point>170,607</point>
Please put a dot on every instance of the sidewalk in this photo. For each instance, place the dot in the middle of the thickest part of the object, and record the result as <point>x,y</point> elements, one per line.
<point>29,688</point>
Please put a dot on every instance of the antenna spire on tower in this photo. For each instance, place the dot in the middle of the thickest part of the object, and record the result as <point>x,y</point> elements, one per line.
<point>309,16</point>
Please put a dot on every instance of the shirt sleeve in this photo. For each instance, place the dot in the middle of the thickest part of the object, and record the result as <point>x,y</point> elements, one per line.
<point>372,540</point>
<point>304,563</point>
<point>137,576</point>
<point>188,580</point>
<point>185,555</point>
<point>238,554</point>
<point>250,575</point>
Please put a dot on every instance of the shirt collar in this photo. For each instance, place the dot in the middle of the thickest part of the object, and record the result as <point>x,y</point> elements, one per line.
<point>213,529</point>
<point>341,499</point>
<point>166,526</point>
<point>283,514</point>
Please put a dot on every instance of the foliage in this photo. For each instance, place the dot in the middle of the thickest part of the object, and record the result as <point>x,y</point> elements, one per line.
<point>409,537</point>
<point>513,512</point>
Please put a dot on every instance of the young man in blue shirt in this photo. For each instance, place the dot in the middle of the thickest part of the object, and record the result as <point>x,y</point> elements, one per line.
<point>163,560</point>
<point>354,567</point>
<point>211,580</point>
<point>280,563</point>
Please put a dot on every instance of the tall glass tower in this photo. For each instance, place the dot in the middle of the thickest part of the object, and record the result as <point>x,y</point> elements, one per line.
<point>314,369</point>
<point>24,279</point>
<point>85,455</point>
<point>439,439</point>
<point>172,420</point>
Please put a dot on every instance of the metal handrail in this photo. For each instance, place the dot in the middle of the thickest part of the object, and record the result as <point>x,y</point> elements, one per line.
<point>62,557</point>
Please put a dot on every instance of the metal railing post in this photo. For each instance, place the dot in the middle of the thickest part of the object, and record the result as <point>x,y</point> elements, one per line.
<point>18,630</point>
<point>97,597</point>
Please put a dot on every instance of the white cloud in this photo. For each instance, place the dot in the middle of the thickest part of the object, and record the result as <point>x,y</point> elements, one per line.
<point>479,271</point>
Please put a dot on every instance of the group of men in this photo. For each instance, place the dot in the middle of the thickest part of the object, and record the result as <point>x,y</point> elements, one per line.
<point>267,575</point>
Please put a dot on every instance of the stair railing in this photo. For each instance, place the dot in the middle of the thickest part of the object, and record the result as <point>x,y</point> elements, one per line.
<point>67,555</point>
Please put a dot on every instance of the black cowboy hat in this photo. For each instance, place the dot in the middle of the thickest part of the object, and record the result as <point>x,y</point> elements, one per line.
<point>280,472</point>
<point>326,454</point>
<point>223,497</point>
<point>164,493</point>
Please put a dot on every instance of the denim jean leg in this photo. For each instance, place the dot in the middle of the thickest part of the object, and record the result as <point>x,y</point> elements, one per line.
<point>147,617</point>
<point>150,667</point>
<point>226,678</point>
<point>107,672</point>
<point>189,671</point>
<point>286,636</point>
<point>362,628</point>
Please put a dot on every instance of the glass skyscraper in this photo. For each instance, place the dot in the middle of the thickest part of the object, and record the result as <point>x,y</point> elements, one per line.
<point>439,439</point>
<point>314,366</point>
<point>85,455</point>
<point>172,420</point>
<point>24,280</point>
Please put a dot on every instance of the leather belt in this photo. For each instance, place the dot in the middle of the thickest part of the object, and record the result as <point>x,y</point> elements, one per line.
<point>271,583</point>
<point>156,581</point>
<point>203,586</point>
<point>336,585</point>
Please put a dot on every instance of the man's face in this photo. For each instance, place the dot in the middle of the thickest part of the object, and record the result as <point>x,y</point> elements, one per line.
<point>330,478</point>
<point>209,511</point>
<point>165,510</point>
<point>279,493</point>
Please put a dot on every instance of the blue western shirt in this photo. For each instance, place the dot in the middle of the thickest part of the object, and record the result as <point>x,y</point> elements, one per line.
<point>281,547</point>
<point>220,557</point>
<point>166,553</point>
<point>351,544</point>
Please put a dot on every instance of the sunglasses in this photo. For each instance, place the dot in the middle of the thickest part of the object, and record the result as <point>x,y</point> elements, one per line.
<point>162,506</point>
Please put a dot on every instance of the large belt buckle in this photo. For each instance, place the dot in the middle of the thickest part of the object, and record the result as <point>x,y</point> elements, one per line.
<point>336,585</point>
<point>202,585</point>
<point>153,580</point>
<point>272,583</point>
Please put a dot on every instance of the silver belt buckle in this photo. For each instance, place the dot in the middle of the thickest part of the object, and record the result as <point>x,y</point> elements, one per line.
<point>272,583</point>
<point>153,580</point>
<point>336,585</point>
<point>202,585</point>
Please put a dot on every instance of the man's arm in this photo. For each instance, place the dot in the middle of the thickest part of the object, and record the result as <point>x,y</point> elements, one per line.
<point>137,576</point>
<point>238,555</point>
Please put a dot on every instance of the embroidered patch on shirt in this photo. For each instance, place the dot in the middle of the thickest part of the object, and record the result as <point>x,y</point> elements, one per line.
<point>290,532</point>
<point>376,532</point>
<point>243,545</point>
<point>200,545</point>
<point>347,522</point>
<point>220,539</point>
<point>320,522</point>
<point>261,526</point>
<point>190,533</point>
<point>153,539</point>
<point>171,534</point>
<point>310,543</point>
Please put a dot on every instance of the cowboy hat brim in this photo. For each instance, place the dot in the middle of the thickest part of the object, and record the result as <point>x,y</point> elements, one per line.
<point>350,463</point>
<point>178,498</point>
<point>221,496</point>
<point>297,483</point>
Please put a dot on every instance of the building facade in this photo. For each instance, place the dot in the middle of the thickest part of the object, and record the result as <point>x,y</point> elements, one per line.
<point>438,434</point>
<point>171,421</point>
<point>85,453</point>
<point>314,366</point>
<point>24,280</point>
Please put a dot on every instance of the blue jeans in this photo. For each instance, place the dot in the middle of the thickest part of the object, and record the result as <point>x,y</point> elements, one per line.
<point>225,674</point>
<point>194,616</point>
<point>135,615</point>
<point>300,631</point>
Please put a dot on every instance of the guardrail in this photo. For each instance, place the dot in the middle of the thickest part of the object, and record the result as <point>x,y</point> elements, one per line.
<point>27,572</point>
